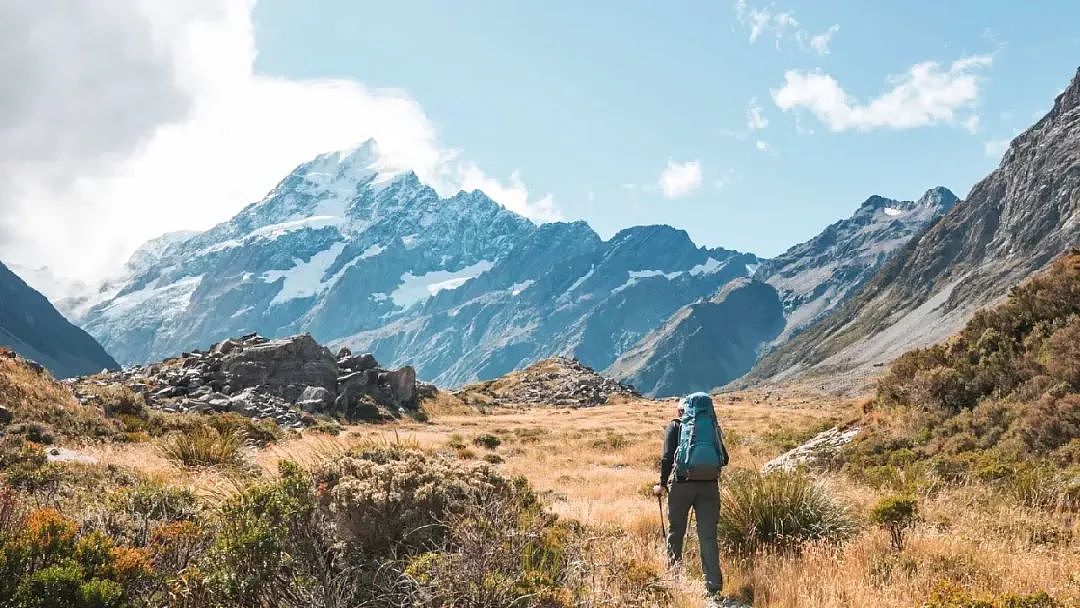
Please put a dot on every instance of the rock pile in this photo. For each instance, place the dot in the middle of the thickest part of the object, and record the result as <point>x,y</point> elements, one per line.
<point>285,380</point>
<point>816,452</point>
<point>558,382</point>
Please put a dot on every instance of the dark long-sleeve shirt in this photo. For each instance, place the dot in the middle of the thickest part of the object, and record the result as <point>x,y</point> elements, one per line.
<point>667,461</point>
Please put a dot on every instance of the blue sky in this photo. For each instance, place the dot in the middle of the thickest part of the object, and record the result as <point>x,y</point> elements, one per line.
<point>751,124</point>
<point>590,101</point>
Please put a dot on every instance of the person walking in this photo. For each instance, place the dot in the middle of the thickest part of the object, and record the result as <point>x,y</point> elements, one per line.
<point>694,452</point>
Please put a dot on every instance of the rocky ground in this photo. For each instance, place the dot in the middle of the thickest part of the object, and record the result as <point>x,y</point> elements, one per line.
<point>287,380</point>
<point>556,382</point>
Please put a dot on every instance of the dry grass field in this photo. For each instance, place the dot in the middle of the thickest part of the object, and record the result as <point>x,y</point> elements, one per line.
<point>596,465</point>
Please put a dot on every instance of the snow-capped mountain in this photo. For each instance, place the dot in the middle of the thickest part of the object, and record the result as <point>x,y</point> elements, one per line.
<point>561,291</point>
<point>712,342</point>
<point>460,287</point>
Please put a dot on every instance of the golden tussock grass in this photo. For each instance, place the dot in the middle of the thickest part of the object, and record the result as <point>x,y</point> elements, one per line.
<point>597,465</point>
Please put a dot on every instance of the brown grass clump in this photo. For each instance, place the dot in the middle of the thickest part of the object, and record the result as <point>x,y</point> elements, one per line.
<point>205,446</point>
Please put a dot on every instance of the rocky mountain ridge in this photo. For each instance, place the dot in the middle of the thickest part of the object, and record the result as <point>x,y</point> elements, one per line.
<point>1013,223</point>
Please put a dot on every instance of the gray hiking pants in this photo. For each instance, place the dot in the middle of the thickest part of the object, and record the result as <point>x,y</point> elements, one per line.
<point>704,498</point>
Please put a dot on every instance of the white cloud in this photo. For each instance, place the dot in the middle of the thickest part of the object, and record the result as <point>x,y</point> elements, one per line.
<point>137,117</point>
<point>761,145</point>
<point>513,195</point>
<point>680,179</point>
<point>782,25</point>
<point>755,118</point>
<point>820,42</point>
<point>927,94</point>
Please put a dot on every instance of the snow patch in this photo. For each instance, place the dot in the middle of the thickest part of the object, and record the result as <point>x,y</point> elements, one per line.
<point>409,240</point>
<point>517,288</point>
<point>169,300</point>
<point>892,211</point>
<point>582,279</point>
<point>415,288</point>
<point>274,231</point>
<point>304,279</point>
<point>372,251</point>
<point>644,274</point>
<point>710,266</point>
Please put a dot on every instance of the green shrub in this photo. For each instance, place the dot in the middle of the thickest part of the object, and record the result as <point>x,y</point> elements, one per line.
<point>779,510</point>
<point>948,594</point>
<point>896,514</point>
<point>205,447</point>
<point>487,441</point>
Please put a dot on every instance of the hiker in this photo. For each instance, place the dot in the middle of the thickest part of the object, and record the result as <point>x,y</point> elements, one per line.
<point>694,451</point>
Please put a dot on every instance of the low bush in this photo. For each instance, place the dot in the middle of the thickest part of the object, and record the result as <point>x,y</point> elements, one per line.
<point>393,497</point>
<point>487,441</point>
<point>895,514</point>
<point>947,594</point>
<point>777,511</point>
<point>46,562</point>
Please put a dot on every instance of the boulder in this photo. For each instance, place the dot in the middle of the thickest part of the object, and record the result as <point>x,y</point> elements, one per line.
<point>358,363</point>
<point>5,415</point>
<point>402,385</point>
<point>280,366</point>
<point>315,399</point>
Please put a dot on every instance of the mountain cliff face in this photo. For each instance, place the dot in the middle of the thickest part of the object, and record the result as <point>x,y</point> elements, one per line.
<point>459,287</point>
<point>710,343</point>
<point>31,327</point>
<point>814,277</point>
<point>561,292</point>
<point>1013,223</point>
<point>705,344</point>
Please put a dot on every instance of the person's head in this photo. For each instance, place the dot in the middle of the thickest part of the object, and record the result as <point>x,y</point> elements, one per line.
<point>679,404</point>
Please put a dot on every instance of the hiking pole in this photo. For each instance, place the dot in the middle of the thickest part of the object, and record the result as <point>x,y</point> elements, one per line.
<point>660,503</point>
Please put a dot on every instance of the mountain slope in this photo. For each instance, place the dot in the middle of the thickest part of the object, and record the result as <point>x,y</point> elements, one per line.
<point>30,326</point>
<point>815,276</point>
<point>1014,222</point>
<point>705,344</point>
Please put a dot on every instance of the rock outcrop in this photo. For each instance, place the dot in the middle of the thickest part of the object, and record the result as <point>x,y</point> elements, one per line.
<point>554,382</point>
<point>286,380</point>
<point>815,453</point>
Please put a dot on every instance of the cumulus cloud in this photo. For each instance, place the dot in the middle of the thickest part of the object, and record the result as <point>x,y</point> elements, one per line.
<point>127,119</point>
<point>782,25</point>
<point>820,42</point>
<point>927,94</point>
<point>680,179</point>
<point>755,118</point>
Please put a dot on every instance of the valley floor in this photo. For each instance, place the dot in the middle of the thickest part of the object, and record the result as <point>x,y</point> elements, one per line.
<point>597,465</point>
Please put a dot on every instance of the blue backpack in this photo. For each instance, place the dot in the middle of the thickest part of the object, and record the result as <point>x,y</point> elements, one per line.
<point>701,453</point>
